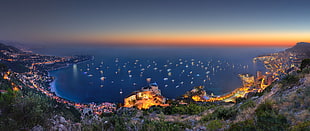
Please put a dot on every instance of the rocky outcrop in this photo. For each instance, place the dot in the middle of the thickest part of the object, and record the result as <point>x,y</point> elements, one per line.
<point>59,123</point>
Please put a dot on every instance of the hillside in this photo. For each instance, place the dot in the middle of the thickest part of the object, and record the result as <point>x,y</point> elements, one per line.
<point>9,48</point>
<point>302,49</point>
<point>24,108</point>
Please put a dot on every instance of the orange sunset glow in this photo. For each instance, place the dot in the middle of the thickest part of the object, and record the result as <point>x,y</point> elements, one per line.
<point>223,39</point>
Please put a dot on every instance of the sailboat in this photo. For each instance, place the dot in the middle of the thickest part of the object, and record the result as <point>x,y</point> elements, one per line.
<point>121,92</point>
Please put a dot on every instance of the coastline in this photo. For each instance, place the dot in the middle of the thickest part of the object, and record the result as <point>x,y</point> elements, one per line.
<point>229,92</point>
<point>35,81</point>
<point>62,67</point>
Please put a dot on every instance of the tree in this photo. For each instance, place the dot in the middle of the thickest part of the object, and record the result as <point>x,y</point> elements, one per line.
<point>3,67</point>
<point>304,63</point>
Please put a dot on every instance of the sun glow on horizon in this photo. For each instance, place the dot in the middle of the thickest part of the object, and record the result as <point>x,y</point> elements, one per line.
<point>208,39</point>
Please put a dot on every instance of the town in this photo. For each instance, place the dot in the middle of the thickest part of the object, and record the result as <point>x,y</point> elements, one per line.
<point>36,75</point>
<point>277,65</point>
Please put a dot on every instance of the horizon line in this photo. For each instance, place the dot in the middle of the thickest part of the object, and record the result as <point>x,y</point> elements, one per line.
<point>159,44</point>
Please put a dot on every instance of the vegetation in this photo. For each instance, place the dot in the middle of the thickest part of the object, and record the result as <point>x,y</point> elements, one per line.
<point>26,108</point>
<point>267,90</point>
<point>214,125</point>
<point>31,109</point>
<point>303,126</point>
<point>3,67</point>
<point>267,115</point>
<point>164,126</point>
<point>189,109</point>
<point>221,113</point>
<point>247,125</point>
<point>17,66</point>
<point>304,64</point>
<point>290,80</point>
<point>247,104</point>
<point>240,99</point>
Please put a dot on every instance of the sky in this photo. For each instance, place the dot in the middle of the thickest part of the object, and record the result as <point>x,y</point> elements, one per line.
<point>158,22</point>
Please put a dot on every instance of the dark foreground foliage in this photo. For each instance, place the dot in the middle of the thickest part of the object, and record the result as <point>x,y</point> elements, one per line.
<point>26,108</point>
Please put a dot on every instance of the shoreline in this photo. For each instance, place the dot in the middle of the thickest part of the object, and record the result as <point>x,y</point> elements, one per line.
<point>222,94</point>
<point>36,81</point>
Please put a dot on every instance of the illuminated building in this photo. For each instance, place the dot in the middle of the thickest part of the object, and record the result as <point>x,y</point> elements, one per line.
<point>145,98</point>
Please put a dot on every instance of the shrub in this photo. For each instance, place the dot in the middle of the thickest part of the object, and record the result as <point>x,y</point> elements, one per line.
<point>290,80</point>
<point>305,71</point>
<point>247,104</point>
<point>226,113</point>
<point>304,63</point>
<point>190,109</point>
<point>208,118</point>
<point>267,89</point>
<point>267,118</point>
<point>304,126</point>
<point>240,99</point>
<point>214,125</point>
<point>3,67</point>
<point>221,113</point>
<point>163,126</point>
<point>247,125</point>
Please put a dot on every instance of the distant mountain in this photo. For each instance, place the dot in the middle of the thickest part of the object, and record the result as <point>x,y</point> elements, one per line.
<point>301,48</point>
<point>9,48</point>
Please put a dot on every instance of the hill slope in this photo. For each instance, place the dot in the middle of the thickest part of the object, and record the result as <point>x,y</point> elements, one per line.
<point>301,49</point>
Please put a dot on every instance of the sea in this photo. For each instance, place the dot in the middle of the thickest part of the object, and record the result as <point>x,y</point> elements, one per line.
<point>116,72</point>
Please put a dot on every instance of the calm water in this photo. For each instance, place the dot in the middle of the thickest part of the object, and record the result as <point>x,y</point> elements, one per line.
<point>175,70</point>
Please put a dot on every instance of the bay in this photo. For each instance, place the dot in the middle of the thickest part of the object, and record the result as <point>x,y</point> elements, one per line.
<point>115,72</point>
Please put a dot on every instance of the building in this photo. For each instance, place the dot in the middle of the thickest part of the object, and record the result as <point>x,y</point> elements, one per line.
<point>145,98</point>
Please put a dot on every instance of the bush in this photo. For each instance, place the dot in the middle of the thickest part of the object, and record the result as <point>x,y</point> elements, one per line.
<point>3,67</point>
<point>247,104</point>
<point>226,113</point>
<point>240,99</point>
<point>290,80</point>
<point>301,126</point>
<point>119,124</point>
<point>208,118</point>
<point>305,71</point>
<point>163,126</point>
<point>304,64</point>
<point>214,125</point>
<point>24,109</point>
<point>267,89</point>
<point>190,109</point>
<point>221,114</point>
<point>247,125</point>
<point>267,118</point>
